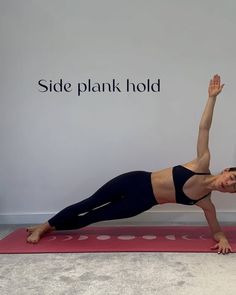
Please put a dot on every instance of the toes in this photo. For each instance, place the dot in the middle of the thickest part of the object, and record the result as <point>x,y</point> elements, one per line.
<point>28,240</point>
<point>32,239</point>
<point>31,229</point>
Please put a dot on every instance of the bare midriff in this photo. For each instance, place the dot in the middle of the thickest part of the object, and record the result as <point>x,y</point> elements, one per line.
<point>163,186</point>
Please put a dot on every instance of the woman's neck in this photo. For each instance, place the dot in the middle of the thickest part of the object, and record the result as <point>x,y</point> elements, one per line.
<point>210,182</point>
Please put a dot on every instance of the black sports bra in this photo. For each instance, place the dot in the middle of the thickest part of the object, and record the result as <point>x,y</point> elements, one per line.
<point>180,175</point>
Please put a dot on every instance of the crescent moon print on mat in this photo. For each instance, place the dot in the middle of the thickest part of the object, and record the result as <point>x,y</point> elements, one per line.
<point>68,238</point>
<point>103,237</point>
<point>185,237</point>
<point>149,237</point>
<point>53,238</point>
<point>126,237</point>
<point>81,238</point>
<point>171,237</point>
<point>202,237</point>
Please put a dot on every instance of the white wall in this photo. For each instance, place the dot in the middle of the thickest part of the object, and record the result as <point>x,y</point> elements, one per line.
<point>58,148</point>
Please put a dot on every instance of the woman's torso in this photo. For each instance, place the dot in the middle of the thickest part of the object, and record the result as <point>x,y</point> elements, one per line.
<point>164,188</point>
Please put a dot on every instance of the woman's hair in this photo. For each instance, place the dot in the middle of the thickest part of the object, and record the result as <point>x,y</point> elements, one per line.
<point>232,169</point>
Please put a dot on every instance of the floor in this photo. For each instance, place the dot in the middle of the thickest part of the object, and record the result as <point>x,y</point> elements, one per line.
<point>116,273</point>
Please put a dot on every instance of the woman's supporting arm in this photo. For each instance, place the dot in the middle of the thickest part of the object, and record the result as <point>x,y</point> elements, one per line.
<point>222,245</point>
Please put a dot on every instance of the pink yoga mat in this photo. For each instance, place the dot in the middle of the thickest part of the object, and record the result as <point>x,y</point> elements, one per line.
<point>118,239</point>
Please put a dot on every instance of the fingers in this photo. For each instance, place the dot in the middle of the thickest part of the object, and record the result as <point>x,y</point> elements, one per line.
<point>216,78</point>
<point>221,87</point>
<point>215,81</point>
<point>215,247</point>
<point>222,249</point>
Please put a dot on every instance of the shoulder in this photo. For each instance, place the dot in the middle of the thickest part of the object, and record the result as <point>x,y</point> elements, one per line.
<point>206,204</point>
<point>199,164</point>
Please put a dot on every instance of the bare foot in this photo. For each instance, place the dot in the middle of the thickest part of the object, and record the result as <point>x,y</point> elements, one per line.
<point>36,232</point>
<point>31,229</point>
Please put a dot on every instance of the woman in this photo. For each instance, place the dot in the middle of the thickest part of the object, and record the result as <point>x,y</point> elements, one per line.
<point>134,192</point>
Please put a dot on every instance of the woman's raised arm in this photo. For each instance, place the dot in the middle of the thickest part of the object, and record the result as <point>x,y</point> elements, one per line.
<point>203,153</point>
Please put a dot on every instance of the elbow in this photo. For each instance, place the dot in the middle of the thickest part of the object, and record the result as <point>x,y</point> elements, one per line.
<point>204,126</point>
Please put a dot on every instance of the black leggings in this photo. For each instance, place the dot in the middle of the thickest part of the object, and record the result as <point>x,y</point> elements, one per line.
<point>124,196</point>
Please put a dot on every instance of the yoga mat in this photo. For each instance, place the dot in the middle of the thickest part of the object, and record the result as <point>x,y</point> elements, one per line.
<point>118,239</point>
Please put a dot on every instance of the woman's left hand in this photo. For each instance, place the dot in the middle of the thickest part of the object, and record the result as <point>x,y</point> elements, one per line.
<point>223,247</point>
<point>215,86</point>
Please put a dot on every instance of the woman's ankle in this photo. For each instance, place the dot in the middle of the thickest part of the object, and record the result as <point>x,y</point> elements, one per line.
<point>48,226</point>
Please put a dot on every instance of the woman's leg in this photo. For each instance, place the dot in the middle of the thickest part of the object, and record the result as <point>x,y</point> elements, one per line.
<point>107,193</point>
<point>123,207</point>
<point>124,196</point>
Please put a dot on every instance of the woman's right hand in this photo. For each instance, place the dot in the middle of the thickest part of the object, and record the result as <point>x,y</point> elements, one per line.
<point>215,86</point>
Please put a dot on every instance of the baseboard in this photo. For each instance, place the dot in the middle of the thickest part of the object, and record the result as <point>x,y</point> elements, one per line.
<point>146,218</point>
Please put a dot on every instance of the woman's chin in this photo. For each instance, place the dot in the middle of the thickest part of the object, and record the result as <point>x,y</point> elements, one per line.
<point>221,189</point>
